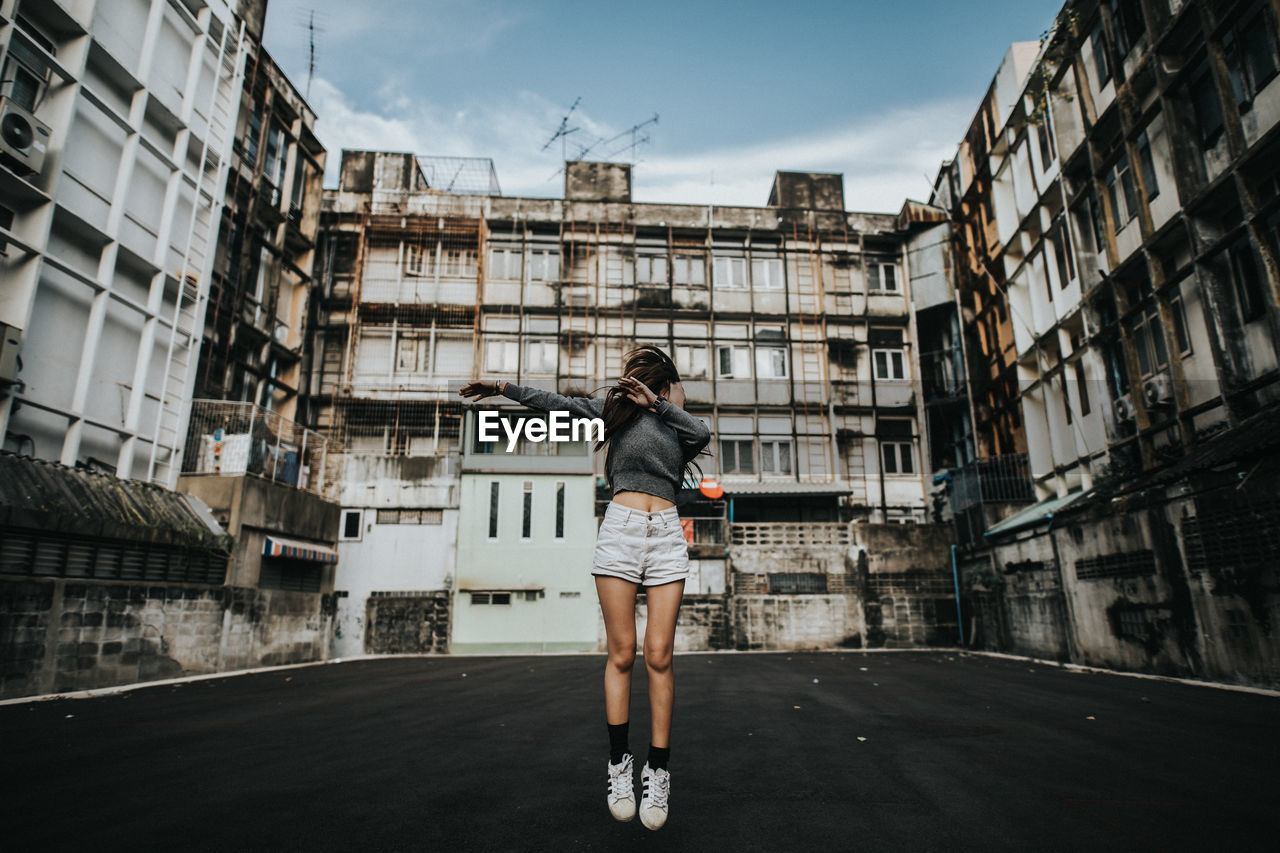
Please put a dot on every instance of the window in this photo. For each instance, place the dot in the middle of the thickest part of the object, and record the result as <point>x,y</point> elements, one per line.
<point>691,361</point>
<point>500,356</point>
<point>1148,166</point>
<point>544,265</point>
<point>1062,254</point>
<point>1044,135</point>
<point>1148,339</point>
<point>1204,98</point>
<point>526,510</point>
<point>1082,387</point>
<point>22,85</point>
<point>889,364</point>
<point>1101,64</point>
<point>1124,202</point>
<point>253,134</point>
<point>651,269</point>
<point>490,598</point>
<point>410,516</point>
<point>688,270</point>
<point>733,362</point>
<point>506,264</point>
<point>736,456</point>
<point>411,354</point>
<point>1180,325</point>
<point>1245,278</point>
<point>540,356</point>
<point>1250,53</point>
<point>458,263</point>
<point>494,491</point>
<point>290,574</point>
<point>729,273</point>
<point>897,457</point>
<point>766,273</point>
<point>775,456</point>
<point>416,259</point>
<point>273,165</point>
<point>351,519</point>
<point>560,486</point>
<point>771,362</point>
<point>1126,15</point>
<point>883,277</point>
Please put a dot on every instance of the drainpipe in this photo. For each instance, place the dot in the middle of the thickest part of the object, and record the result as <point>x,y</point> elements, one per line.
<point>955,577</point>
<point>731,510</point>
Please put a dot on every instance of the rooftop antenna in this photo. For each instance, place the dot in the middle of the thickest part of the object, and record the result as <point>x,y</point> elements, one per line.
<point>633,132</point>
<point>312,30</point>
<point>563,130</point>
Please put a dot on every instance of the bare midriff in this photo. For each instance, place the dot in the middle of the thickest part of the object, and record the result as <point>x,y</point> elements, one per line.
<point>642,501</point>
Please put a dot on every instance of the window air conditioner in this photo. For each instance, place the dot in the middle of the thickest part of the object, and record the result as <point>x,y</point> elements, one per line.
<point>1122,409</point>
<point>1158,390</point>
<point>24,139</point>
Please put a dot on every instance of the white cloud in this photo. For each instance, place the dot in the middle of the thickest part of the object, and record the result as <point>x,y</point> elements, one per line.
<point>884,159</point>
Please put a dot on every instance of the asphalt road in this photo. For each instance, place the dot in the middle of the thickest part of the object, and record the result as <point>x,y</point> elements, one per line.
<point>841,751</point>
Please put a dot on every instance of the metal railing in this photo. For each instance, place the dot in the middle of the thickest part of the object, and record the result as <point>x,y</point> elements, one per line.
<point>229,439</point>
<point>994,479</point>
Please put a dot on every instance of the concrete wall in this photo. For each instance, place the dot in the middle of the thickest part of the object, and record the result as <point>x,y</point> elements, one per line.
<point>59,635</point>
<point>402,623</point>
<point>702,625</point>
<point>1187,587</point>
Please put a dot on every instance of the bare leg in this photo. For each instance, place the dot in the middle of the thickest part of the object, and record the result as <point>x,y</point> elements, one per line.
<point>618,603</point>
<point>659,643</point>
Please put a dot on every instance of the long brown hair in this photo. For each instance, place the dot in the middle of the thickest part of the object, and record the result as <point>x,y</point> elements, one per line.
<point>657,371</point>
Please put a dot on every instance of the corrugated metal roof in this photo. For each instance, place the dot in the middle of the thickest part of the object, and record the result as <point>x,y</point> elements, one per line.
<point>38,494</point>
<point>1035,514</point>
<point>785,487</point>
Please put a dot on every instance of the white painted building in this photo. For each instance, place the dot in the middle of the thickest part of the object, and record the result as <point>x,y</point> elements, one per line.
<point>110,220</point>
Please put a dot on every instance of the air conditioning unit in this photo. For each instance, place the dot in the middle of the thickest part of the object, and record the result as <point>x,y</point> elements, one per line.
<point>1158,390</point>
<point>282,335</point>
<point>1122,408</point>
<point>24,139</point>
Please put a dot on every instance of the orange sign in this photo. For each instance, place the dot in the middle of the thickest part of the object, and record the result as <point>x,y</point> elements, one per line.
<point>710,488</point>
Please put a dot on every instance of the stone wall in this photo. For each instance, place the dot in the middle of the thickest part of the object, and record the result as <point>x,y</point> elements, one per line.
<point>61,635</point>
<point>703,624</point>
<point>401,623</point>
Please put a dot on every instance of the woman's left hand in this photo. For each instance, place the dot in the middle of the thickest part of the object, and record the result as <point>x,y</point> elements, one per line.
<point>638,392</point>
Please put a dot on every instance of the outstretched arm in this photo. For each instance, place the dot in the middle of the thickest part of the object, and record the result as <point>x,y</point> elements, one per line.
<point>543,401</point>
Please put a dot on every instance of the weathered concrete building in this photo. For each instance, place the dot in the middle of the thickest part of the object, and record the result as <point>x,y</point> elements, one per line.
<point>1134,232</point>
<point>791,324</point>
<point>258,304</point>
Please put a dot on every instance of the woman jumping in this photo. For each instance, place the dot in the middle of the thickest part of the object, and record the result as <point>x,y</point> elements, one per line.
<point>641,543</point>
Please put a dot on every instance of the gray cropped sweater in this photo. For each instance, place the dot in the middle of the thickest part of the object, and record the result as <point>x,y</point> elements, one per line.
<point>649,453</point>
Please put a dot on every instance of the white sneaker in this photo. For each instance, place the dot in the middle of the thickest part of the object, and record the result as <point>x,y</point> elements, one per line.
<point>653,801</point>
<point>622,793</point>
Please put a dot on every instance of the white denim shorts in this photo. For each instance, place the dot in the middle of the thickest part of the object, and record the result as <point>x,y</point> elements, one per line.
<point>642,547</point>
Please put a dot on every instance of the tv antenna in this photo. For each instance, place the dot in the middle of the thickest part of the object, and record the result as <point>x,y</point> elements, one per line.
<point>313,29</point>
<point>636,139</point>
<point>563,130</point>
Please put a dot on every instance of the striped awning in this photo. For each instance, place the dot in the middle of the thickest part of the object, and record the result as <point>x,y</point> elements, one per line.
<point>278,546</point>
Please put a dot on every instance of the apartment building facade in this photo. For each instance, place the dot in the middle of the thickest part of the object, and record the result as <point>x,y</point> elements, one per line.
<point>1133,234</point>
<point>123,116</point>
<point>791,324</point>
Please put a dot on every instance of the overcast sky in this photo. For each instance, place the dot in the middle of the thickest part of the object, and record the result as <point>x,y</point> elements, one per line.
<point>881,91</point>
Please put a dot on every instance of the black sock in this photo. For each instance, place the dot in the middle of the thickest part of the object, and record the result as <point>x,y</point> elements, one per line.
<point>618,741</point>
<point>658,757</point>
